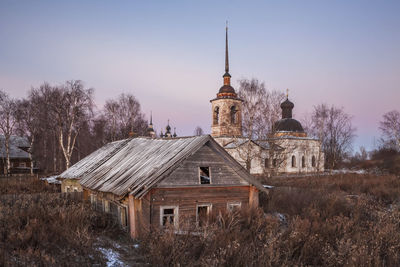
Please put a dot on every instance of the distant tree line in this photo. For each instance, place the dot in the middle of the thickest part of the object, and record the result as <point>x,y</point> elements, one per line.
<point>63,124</point>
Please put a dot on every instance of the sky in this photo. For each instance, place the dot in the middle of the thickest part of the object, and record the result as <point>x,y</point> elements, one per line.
<point>170,54</point>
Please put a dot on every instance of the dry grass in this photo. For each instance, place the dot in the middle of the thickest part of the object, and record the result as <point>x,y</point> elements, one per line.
<point>25,185</point>
<point>326,221</point>
<point>48,229</point>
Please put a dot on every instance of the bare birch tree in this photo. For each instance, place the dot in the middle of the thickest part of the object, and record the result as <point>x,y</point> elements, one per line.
<point>335,130</point>
<point>27,123</point>
<point>123,116</point>
<point>260,110</point>
<point>7,123</point>
<point>390,128</point>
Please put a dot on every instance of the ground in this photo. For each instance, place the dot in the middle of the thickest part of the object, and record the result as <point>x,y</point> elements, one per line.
<point>341,219</point>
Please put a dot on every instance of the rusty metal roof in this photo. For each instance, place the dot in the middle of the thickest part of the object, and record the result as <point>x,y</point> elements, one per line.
<point>93,160</point>
<point>143,162</point>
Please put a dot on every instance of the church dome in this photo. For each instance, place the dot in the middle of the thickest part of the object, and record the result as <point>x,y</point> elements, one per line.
<point>287,104</point>
<point>226,89</point>
<point>288,125</point>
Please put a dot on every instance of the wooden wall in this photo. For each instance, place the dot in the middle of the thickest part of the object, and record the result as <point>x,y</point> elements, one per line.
<point>187,200</point>
<point>221,172</point>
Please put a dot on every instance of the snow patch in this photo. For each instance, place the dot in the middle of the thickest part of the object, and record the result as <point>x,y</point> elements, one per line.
<point>112,257</point>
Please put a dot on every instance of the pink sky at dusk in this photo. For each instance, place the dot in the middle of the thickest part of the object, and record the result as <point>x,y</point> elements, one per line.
<point>171,55</point>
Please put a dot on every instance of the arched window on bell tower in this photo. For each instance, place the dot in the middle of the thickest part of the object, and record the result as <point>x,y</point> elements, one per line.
<point>233,115</point>
<point>216,115</point>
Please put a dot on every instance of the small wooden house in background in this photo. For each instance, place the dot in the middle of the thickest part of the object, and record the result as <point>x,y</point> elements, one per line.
<point>149,183</point>
<point>20,160</point>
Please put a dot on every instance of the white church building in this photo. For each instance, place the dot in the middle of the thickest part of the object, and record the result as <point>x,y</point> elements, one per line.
<point>288,150</point>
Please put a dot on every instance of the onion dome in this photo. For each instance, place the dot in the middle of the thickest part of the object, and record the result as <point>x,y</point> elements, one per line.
<point>287,124</point>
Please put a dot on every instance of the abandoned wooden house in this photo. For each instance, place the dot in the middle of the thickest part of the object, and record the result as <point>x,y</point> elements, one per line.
<point>148,182</point>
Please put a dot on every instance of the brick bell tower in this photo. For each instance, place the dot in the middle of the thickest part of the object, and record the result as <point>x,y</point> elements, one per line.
<point>227,107</point>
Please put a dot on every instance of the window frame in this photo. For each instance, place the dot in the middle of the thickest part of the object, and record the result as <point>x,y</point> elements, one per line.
<point>209,210</point>
<point>230,205</point>
<point>176,215</point>
<point>313,161</point>
<point>209,173</point>
<point>123,220</point>
<point>216,115</point>
<point>233,114</point>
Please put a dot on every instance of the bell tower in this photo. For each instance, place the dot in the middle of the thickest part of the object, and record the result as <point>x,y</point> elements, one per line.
<point>226,107</point>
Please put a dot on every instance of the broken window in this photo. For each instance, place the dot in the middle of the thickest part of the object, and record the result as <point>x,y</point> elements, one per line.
<point>205,177</point>
<point>169,216</point>
<point>234,206</point>
<point>203,214</point>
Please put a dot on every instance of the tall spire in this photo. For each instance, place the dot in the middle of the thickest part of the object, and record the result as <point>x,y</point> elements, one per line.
<point>226,50</point>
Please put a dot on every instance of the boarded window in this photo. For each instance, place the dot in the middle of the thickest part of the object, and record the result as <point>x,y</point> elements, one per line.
<point>169,216</point>
<point>203,214</point>
<point>303,162</point>
<point>293,161</point>
<point>313,161</point>
<point>205,177</point>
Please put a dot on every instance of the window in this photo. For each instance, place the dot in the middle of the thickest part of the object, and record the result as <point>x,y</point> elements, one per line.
<point>22,164</point>
<point>303,162</point>
<point>169,216</point>
<point>205,177</point>
<point>266,163</point>
<point>203,214</point>
<point>67,188</point>
<point>75,189</point>
<point>293,161</point>
<point>216,115</point>
<point>233,114</point>
<point>274,163</point>
<point>93,199</point>
<point>106,206</point>
<point>313,161</point>
<point>234,206</point>
<point>123,218</point>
